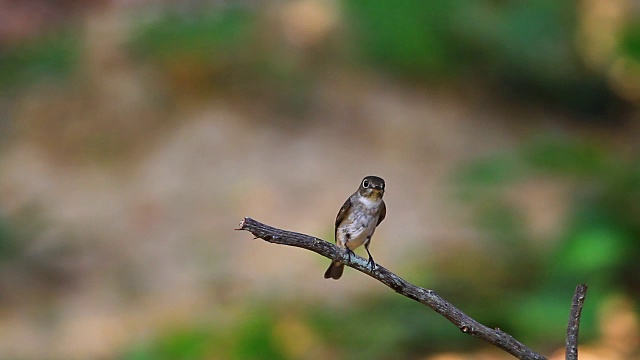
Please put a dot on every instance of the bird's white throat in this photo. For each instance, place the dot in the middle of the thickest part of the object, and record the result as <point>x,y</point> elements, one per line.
<point>368,203</point>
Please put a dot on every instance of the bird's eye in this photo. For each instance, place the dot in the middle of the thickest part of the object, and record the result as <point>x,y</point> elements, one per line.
<point>365,183</point>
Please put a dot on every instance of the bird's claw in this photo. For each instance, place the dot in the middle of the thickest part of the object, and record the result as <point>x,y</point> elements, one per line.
<point>349,252</point>
<point>371,263</point>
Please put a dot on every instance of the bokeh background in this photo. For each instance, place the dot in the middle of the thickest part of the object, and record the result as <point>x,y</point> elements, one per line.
<point>135,135</point>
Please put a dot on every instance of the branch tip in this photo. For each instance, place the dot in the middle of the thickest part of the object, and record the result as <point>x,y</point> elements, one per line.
<point>241,225</point>
<point>574,322</point>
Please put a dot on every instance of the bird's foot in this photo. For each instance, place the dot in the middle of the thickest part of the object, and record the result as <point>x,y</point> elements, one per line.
<point>349,253</point>
<point>371,263</point>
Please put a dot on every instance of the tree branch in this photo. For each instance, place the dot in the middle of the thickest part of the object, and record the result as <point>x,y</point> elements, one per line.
<point>427,297</point>
<point>574,322</point>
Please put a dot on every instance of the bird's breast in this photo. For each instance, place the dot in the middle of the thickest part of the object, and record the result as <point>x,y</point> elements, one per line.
<point>358,226</point>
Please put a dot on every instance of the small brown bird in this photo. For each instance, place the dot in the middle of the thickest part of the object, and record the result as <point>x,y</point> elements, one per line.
<point>357,221</point>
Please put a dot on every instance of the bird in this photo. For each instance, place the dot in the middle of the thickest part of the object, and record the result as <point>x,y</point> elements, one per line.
<point>357,220</point>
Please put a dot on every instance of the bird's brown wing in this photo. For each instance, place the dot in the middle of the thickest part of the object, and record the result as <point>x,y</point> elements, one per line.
<point>342,214</point>
<point>383,213</point>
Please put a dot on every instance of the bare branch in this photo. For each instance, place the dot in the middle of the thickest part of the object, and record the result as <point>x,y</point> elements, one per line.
<point>427,297</point>
<point>574,322</point>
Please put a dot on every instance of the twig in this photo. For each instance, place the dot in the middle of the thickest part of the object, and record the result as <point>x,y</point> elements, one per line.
<point>427,297</point>
<point>574,322</point>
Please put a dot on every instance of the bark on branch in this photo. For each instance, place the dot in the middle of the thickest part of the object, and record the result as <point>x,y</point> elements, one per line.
<point>427,297</point>
<point>574,322</point>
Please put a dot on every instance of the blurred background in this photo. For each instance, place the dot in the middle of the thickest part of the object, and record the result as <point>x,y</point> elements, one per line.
<point>135,135</point>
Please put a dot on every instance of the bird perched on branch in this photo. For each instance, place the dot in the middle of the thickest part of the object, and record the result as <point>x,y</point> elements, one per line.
<point>357,221</point>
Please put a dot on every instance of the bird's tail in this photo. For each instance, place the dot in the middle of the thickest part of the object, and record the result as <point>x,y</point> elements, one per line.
<point>334,271</point>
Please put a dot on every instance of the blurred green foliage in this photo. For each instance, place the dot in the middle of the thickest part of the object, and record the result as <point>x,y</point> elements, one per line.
<point>212,36</point>
<point>630,41</point>
<point>598,242</point>
<point>526,49</point>
<point>17,232</point>
<point>9,240</point>
<point>182,344</point>
<point>381,327</point>
<point>226,52</point>
<point>413,38</point>
<point>54,55</point>
<point>522,50</point>
<point>252,337</point>
<point>386,327</point>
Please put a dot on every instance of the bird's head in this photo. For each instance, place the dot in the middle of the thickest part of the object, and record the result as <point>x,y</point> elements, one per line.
<point>372,187</point>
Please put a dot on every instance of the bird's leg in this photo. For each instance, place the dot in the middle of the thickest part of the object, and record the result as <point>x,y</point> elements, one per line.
<point>349,252</point>
<point>370,261</point>
<point>346,247</point>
